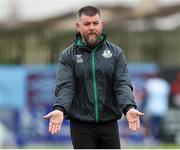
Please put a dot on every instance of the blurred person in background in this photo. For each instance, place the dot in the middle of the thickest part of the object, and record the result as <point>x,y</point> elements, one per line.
<point>93,87</point>
<point>7,138</point>
<point>157,105</point>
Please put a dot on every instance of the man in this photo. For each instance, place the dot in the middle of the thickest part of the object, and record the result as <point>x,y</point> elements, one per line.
<point>93,87</point>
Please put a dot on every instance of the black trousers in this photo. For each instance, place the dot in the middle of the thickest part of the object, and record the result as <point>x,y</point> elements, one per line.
<point>95,135</point>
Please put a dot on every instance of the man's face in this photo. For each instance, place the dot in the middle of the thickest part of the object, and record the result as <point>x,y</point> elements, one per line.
<point>90,28</point>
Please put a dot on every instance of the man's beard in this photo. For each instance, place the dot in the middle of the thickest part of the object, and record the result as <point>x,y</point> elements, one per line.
<point>92,40</point>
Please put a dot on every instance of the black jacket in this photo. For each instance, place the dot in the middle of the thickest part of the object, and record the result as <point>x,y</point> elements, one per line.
<point>93,84</point>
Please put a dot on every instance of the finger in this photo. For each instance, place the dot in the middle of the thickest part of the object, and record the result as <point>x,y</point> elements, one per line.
<point>130,125</point>
<point>50,126</point>
<point>59,127</point>
<point>53,129</point>
<point>138,124</point>
<point>56,128</point>
<point>140,113</point>
<point>134,126</point>
<point>47,116</point>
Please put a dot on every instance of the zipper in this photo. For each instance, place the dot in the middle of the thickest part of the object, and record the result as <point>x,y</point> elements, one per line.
<point>95,87</point>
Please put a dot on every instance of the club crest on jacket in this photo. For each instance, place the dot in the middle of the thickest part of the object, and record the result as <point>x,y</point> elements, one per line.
<point>107,53</point>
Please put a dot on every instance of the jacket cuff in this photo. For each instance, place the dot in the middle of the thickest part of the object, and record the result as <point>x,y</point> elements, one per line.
<point>127,108</point>
<point>60,109</point>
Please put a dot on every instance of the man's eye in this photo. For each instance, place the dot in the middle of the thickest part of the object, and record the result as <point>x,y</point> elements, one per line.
<point>86,24</point>
<point>96,23</point>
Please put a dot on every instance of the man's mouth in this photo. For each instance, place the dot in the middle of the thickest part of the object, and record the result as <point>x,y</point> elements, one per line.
<point>92,34</point>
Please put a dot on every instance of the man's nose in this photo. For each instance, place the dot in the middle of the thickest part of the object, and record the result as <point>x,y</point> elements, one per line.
<point>91,27</point>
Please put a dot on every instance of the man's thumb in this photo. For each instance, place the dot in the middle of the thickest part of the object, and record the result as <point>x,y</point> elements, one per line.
<point>47,116</point>
<point>140,113</point>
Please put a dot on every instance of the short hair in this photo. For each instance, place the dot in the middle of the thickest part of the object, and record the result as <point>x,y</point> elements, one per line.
<point>88,11</point>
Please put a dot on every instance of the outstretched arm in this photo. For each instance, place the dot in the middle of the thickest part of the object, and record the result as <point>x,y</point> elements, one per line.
<point>64,93</point>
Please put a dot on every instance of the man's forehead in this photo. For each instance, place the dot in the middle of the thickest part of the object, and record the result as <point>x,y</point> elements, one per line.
<point>85,18</point>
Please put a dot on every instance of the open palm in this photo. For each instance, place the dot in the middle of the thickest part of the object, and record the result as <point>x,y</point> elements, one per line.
<point>56,119</point>
<point>133,119</point>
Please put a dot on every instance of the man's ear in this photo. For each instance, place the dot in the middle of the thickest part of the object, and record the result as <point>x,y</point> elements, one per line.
<point>77,26</point>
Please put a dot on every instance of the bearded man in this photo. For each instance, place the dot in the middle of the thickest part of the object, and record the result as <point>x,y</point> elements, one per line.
<point>93,87</point>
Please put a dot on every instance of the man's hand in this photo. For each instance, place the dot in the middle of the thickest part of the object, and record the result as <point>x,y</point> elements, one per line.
<point>133,119</point>
<point>56,119</point>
